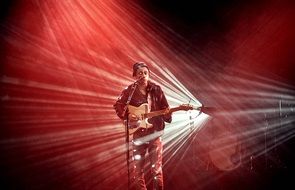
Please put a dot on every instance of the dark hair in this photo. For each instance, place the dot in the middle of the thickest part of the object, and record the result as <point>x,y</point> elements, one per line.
<point>138,65</point>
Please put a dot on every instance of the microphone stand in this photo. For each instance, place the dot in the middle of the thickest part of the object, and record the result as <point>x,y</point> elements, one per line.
<point>127,131</point>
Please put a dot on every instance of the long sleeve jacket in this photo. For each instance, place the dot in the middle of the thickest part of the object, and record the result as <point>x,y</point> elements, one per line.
<point>158,102</point>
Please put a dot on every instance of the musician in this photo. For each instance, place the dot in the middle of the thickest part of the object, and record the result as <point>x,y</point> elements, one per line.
<point>145,140</point>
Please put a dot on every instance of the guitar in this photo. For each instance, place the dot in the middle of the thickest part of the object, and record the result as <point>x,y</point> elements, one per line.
<point>143,115</point>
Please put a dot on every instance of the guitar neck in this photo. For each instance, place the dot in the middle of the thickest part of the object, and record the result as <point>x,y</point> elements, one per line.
<point>161,112</point>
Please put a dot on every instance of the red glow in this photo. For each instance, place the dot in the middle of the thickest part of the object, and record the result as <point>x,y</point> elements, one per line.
<point>65,62</point>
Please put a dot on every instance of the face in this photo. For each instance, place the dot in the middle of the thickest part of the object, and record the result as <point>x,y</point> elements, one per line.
<point>143,73</point>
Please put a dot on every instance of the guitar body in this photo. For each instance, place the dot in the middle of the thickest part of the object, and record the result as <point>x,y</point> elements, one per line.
<point>142,122</point>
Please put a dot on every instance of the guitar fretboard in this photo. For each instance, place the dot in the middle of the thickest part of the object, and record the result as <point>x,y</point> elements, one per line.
<point>161,112</point>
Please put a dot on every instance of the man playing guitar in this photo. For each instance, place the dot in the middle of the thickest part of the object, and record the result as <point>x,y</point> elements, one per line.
<point>133,105</point>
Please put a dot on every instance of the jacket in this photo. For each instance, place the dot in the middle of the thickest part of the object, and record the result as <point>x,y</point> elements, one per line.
<point>158,102</point>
